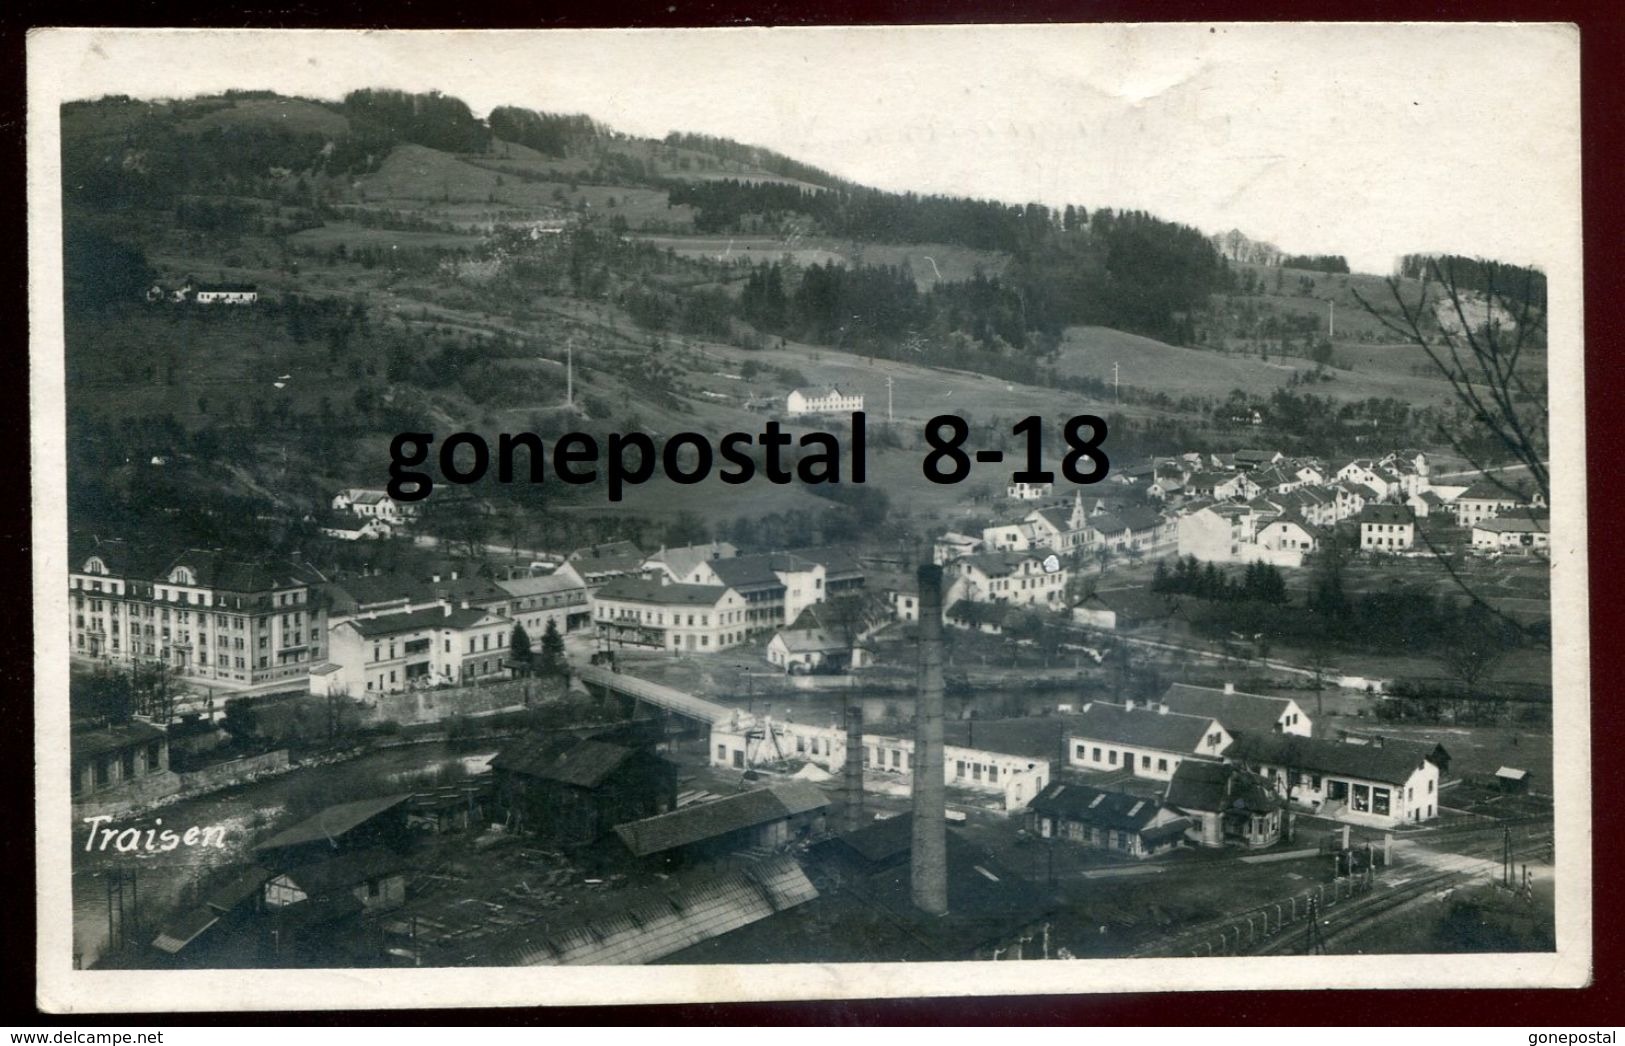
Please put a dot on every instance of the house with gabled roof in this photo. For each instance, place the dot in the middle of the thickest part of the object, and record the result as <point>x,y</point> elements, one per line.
<point>1019,578</point>
<point>1226,804</point>
<point>1240,712</point>
<point>1141,740</point>
<point>1486,498</point>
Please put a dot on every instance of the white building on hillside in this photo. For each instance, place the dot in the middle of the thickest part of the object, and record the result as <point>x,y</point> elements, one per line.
<point>822,399</point>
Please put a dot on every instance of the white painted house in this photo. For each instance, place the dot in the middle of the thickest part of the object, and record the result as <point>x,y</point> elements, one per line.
<point>822,399</point>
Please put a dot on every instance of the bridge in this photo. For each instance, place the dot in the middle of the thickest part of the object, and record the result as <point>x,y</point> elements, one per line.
<point>671,699</point>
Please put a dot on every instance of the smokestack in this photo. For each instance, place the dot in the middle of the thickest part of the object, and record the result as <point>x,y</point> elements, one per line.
<point>929,854</point>
<point>852,779</point>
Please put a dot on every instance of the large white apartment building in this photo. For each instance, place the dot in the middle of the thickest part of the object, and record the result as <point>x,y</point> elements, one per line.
<point>215,620</point>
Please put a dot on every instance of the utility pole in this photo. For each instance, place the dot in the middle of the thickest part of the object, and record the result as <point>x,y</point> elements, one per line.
<point>1114,382</point>
<point>1331,319</point>
<point>569,374</point>
<point>888,397</point>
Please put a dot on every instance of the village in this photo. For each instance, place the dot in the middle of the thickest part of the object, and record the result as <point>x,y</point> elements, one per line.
<point>708,753</point>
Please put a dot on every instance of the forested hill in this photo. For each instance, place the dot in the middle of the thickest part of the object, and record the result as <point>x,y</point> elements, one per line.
<point>1068,265</point>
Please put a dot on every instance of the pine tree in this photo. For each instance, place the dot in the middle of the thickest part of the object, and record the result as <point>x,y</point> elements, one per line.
<point>519,646</point>
<point>552,650</point>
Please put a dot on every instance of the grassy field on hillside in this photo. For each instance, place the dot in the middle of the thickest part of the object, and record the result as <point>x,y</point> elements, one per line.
<point>1150,364</point>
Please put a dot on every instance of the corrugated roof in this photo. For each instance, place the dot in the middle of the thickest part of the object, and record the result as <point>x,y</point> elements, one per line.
<point>333,822</point>
<point>657,923</point>
<point>703,821</point>
<point>1170,731</point>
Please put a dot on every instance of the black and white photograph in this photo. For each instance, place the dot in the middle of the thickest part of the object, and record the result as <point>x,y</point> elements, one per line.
<point>806,512</point>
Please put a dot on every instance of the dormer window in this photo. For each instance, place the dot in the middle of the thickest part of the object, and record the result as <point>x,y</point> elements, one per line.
<point>94,565</point>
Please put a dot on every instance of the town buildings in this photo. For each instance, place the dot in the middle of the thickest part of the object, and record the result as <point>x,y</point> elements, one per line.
<point>558,599</point>
<point>438,646</point>
<point>1386,528</point>
<point>1106,820</point>
<point>1513,533</point>
<point>1141,740</point>
<point>370,503</point>
<point>668,616</point>
<point>1381,783</point>
<point>210,618</point>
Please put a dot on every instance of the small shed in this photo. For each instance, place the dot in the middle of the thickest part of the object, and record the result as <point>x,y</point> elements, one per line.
<point>1512,780</point>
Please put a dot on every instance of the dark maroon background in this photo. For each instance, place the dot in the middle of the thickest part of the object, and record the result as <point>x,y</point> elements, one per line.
<point>1602,55</point>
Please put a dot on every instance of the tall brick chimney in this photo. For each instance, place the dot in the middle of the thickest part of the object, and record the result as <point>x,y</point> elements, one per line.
<point>929,854</point>
<point>852,779</point>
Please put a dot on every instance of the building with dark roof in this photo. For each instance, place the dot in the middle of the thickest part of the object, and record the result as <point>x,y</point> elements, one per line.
<point>1380,782</point>
<point>357,825</point>
<point>225,621</point>
<point>1226,804</point>
<point>1240,712</point>
<point>119,767</point>
<point>1145,742</point>
<point>1101,819</point>
<point>1386,528</point>
<point>667,616</point>
<point>572,791</point>
<point>763,817</point>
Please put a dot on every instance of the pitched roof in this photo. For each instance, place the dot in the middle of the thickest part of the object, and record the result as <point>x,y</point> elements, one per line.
<point>345,870</point>
<point>570,760</point>
<point>1169,731</point>
<point>417,620</point>
<point>1237,711</point>
<point>693,824</point>
<point>997,564</point>
<point>810,640</point>
<point>1391,762</point>
<point>1096,806</point>
<point>1201,785</point>
<point>1486,489</point>
<point>818,392</point>
<point>684,558</point>
<point>334,821</point>
<point>1137,603</point>
<point>1034,737</point>
<point>639,590</point>
<point>607,550</point>
<point>542,584</point>
<point>646,925</point>
<point>1380,514</point>
<point>1514,524</point>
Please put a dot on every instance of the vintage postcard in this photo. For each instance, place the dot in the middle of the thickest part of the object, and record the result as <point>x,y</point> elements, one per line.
<point>806,513</point>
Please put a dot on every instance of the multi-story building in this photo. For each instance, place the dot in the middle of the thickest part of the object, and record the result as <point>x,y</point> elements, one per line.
<point>559,598</point>
<point>690,618</point>
<point>775,587</point>
<point>1486,499</point>
<point>440,645</point>
<point>1006,577</point>
<point>213,619</point>
<point>1386,528</point>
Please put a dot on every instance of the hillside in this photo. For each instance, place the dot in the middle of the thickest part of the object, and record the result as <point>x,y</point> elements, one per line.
<point>418,269</point>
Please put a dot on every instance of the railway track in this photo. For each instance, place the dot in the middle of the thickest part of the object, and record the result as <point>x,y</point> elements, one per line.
<point>1361,912</point>
<point>1279,927</point>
